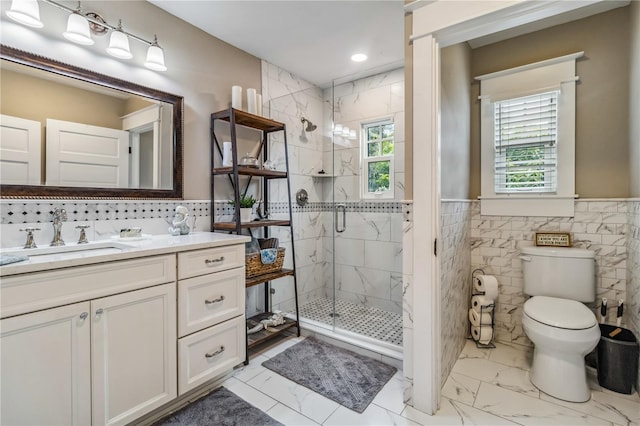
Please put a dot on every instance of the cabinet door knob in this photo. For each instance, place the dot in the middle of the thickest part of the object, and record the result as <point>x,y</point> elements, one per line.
<point>84,315</point>
<point>212,354</point>
<point>214,261</point>
<point>212,301</point>
<point>99,312</point>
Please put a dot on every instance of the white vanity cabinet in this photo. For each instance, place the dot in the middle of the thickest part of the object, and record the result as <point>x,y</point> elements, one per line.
<point>107,340</point>
<point>211,321</point>
<point>45,360</point>
<point>133,354</point>
<point>103,362</point>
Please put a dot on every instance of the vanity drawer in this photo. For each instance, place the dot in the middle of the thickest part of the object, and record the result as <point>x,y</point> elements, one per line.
<point>200,262</point>
<point>41,290</point>
<point>209,299</point>
<point>208,353</point>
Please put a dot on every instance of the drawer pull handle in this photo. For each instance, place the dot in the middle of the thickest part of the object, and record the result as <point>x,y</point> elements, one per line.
<point>212,354</point>
<point>211,302</point>
<point>84,315</point>
<point>214,261</point>
<point>99,312</point>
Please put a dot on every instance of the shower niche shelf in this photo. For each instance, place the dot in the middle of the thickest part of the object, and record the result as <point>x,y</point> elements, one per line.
<point>240,178</point>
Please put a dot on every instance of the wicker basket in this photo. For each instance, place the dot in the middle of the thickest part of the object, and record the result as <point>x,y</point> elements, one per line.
<point>255,267</point>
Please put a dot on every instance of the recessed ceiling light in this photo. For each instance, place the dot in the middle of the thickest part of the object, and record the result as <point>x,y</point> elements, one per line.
<point>358,57</point>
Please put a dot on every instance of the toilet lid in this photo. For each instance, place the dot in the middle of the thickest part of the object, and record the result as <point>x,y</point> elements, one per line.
<point>561,313</point>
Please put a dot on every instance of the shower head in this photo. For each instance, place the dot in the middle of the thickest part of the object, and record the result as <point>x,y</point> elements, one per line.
<point>310,126</point>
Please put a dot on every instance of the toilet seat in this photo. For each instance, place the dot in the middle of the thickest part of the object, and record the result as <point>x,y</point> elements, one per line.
<point>559,313</point>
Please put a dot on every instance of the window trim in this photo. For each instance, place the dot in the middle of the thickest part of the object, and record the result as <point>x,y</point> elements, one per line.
<point>364,182</point>
<point>553,74</point>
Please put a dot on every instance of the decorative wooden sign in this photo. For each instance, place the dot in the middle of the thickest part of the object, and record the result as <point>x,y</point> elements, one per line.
<point>553,239</point>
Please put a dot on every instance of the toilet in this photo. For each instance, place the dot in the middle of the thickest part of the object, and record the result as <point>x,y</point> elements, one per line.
<point>562,329</point>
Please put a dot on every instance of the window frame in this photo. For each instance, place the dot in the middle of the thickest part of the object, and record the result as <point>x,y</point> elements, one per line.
<point>366,160</point>
<point>553,74</point>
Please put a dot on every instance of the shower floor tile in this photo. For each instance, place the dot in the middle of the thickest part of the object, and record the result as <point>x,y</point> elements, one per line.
<point>368,321</point>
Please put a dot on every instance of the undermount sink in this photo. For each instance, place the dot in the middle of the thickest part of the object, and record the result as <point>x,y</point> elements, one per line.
<point>102,247</point>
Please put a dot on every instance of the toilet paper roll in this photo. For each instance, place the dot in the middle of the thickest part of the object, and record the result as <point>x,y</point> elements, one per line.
<point>482,335</point>
<point>487,284</point>
<point>481,301</point>
<point>476,318</point>
<point>236,97</point>
<point>251,101</point>
<point>227,157</point>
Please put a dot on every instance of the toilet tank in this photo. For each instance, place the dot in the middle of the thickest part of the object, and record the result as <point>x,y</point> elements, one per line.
<point>568,273</point>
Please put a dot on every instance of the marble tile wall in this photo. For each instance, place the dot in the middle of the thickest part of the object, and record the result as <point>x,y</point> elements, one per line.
<point>598,225</point>
<point>455,281</point>
<point>632,310</point>
<point>361,101</point>
<point>367,270</point>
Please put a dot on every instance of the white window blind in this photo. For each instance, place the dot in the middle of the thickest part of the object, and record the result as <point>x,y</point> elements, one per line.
<point>526,143</point>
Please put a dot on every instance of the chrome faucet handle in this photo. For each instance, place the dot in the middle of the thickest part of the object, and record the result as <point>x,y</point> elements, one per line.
<point>59,214</point>
<point>83,234</point>
<point>30,243</point>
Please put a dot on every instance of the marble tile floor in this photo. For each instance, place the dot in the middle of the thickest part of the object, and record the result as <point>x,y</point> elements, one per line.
<point>486,387</point>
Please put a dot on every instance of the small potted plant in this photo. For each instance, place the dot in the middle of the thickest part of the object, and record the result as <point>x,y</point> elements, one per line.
<point>246,207</point>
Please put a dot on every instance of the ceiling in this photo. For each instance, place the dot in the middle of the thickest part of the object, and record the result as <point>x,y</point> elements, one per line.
<point>314,39</point>
<point>311,39</point>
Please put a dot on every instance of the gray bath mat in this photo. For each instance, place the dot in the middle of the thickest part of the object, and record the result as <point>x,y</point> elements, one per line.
<point>350,379</point>
<point>220,408</point>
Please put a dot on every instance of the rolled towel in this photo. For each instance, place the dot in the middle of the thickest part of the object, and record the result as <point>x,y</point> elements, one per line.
<point>476,318</point>
<point>487,284</point>
<point>482,335</point>
<point>479,301</point>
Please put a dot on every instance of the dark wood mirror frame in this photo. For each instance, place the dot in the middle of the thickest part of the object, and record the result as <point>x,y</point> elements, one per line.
<point>50,65</point>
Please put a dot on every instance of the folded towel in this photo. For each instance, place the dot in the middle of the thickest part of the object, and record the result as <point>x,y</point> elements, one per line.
<point>268,256</point>
<point>6,259</point>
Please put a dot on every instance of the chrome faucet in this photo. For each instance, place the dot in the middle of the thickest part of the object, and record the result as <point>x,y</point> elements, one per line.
<point>59,216</point>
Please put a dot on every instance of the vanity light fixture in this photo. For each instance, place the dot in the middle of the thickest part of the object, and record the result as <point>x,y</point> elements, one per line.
<point>26,12</point>
<point>352,134</point>
<point>80,26</point>
<point>119,44</point>
<point>337,129</point>
<point>345,131</point>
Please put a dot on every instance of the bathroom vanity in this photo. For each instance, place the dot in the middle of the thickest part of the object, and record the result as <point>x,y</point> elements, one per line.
<point>114,330</point>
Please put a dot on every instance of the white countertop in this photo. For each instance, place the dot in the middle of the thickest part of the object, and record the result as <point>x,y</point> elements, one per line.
<point>148,246</point>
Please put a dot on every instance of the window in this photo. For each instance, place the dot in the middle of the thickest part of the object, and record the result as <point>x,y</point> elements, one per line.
<point>525,144</point>
<point>528,139</point>
<point>377,159</point>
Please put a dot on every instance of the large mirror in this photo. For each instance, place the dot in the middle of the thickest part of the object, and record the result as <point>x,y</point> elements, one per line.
<point>73,133</point>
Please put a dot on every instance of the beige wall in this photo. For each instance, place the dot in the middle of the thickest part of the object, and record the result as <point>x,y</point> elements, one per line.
<point>200,67</point>
<point>455,64</point>
<point>634,101</point>
<point>602,99</point>
<point>36,99</point>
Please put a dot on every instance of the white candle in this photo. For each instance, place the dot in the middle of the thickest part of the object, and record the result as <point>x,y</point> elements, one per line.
<point>251,101</point>
<point>258,104</point>
<point>236,97</point>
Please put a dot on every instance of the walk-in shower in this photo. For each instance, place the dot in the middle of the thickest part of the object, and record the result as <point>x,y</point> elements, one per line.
<point>348,237</point>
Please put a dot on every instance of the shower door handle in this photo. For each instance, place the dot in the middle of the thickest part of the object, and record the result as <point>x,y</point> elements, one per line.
<point>342,207</point>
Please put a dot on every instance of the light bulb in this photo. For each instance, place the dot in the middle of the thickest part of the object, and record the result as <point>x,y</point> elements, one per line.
<point>155,57</point>
<point>345,132</point>
<point>119,44</point>
<point>78,30</point>
<point>337,129</point>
